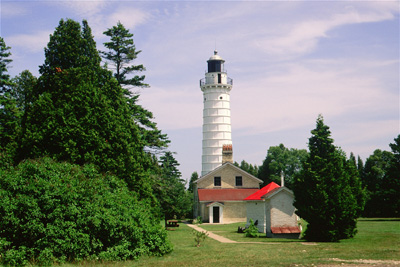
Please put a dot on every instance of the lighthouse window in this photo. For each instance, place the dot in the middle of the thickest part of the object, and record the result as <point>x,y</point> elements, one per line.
<point>214,66</point>
<point>220,97</point>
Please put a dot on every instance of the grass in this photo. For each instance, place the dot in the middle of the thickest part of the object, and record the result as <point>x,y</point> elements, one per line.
<point>378,239</point>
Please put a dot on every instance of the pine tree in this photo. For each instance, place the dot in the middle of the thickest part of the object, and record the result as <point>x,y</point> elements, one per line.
<point>121,52</point>
<point>193,178</point>
<point>174,199</point>
<point>4,61</point>
<point>9,113</point>
<point>327,191</point>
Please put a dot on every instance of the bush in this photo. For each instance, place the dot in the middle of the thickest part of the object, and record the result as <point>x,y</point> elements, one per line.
<point>56,212</point>
<point>199,237</point>
<point>252,231</point>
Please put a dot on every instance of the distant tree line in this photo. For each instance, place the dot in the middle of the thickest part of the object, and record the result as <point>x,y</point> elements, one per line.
<point>84,170</point>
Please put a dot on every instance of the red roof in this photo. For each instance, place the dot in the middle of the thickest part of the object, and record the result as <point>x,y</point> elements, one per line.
<point>225,194</point>
<point>263,191</point>
<point>286,230</point>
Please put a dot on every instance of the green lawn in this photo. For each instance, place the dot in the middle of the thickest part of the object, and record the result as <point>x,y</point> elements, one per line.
<point>378,239</point>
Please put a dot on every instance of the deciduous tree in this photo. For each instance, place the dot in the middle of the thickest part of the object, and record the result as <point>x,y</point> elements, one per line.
<point>281,159</point>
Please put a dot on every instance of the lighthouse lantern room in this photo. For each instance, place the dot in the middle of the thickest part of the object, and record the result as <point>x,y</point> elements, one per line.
<point>216,87</point>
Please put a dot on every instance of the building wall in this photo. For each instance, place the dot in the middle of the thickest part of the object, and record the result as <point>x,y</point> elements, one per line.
<point>277,211</point>
<point>234,211</point>
<point>255,210</point>
<point>282,210</point>
<point>228,176</point>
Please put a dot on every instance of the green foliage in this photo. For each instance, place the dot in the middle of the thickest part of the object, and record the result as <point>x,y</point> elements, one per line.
<point>193,179</point>
<point>174,199</point>
<point>199,237</point>
<point>252,230</point>
<point>281,159</point>
<point>22,89</point>
<point>56,212</point>
<point>4,61</point>
<point>381,180</point>
<point>122,51</point>
<point>249,168</point>
<point>198,220</point>
<point>10,115</point>
<point>328,193</point>
<point>80,114</point>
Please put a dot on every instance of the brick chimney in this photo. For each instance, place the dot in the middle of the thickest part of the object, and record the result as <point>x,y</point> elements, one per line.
<point>227,153</point>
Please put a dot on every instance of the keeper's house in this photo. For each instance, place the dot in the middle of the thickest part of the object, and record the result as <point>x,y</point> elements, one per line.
<point>221,193</point>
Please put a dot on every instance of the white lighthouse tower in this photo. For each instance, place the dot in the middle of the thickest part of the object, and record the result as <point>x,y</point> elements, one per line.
<point>216,87</point>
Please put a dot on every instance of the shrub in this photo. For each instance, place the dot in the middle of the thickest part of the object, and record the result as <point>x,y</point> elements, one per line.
<point>252,230</point>
<point>199,237</point>
<point>56,212</point>
<point>198,220</point>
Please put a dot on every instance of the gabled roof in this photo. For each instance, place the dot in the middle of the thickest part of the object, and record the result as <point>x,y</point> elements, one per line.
<point>216,195</point>
<point>263,191</point>
<point>228,165</point>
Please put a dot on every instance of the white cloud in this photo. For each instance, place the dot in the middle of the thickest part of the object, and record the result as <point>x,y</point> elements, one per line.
<point>129,17</point>
<point>302,36</point>
<point>294,98</point>
<point>83,8</point>
<point>173,108</point>
<point>30,42</point>
<point>10,10</point>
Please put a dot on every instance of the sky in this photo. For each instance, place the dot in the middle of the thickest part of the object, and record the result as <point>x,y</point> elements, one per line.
<point>289,60</point>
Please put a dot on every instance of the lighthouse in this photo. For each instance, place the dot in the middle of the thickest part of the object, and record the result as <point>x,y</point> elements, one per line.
<point>217,137</point>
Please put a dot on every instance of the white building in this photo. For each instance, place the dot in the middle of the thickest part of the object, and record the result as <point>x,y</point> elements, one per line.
<point>216,87</point>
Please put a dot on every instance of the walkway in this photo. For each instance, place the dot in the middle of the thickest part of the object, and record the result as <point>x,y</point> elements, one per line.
<point>211,234</point>
<point>227,240</point>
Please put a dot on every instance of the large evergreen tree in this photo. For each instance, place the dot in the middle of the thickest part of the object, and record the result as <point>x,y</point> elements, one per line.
<point>79,112</point>
<point>327,190</point>
<point>281,159</point>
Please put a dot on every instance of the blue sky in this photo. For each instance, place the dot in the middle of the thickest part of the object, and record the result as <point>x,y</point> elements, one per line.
<point>289,60</point>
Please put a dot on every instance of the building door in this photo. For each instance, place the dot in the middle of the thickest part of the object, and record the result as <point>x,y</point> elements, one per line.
<point>219,78</point>
<point>216,214</point>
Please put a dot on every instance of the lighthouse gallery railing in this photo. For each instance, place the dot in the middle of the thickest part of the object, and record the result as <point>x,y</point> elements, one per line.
<point>210,80</point>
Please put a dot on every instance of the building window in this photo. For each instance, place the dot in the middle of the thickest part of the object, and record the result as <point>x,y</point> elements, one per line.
<point>239,181</point>
<point>217,181</point>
